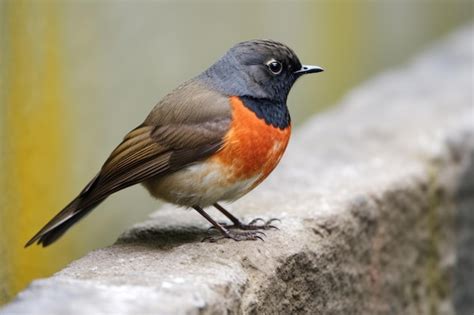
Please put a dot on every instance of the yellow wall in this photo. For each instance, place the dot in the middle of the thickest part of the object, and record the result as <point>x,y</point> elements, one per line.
<point>76,75</point>
<point>34,126</point>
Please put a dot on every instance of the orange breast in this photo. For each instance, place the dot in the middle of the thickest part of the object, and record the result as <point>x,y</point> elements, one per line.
<point>251,148</point>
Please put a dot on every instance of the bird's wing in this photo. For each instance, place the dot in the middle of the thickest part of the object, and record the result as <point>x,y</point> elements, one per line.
<point>180,131</point>
<point>188,125</point>
<point>155,151</point>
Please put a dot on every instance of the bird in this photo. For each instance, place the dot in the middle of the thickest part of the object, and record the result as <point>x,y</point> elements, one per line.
<point>211,140</point>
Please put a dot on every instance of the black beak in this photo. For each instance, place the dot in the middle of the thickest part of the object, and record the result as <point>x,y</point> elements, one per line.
<point>305,69</point>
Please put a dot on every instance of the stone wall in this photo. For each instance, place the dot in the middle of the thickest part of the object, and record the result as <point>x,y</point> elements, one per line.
<point>376,201</point>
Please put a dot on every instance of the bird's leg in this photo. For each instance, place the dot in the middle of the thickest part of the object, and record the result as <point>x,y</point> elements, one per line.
<point>225,233</point>
<point>266,225</point>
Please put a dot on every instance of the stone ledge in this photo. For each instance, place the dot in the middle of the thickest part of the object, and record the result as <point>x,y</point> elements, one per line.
<point>369,194</point>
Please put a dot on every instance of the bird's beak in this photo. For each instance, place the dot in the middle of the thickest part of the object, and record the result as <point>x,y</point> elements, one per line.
<point>305,69</point>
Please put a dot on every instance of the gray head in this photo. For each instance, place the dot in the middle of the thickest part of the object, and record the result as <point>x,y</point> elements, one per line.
<point>262,69</point>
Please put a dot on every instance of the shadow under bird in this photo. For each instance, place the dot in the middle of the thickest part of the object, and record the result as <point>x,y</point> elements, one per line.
<point>214,138</point>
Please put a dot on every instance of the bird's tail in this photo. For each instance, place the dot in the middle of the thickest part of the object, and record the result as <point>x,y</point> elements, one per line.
<point>72,213</point>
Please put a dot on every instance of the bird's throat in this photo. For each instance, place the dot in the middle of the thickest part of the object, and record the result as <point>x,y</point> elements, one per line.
<point>274,113</point>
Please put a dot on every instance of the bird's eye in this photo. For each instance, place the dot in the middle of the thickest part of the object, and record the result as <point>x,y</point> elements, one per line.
<point>274,66</point>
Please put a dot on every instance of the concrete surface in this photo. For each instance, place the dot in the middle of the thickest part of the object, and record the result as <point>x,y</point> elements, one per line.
<point>376,206</point>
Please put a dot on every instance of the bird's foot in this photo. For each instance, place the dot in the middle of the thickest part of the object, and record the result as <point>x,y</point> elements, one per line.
<point>251,226</point>
<point>236,236</point>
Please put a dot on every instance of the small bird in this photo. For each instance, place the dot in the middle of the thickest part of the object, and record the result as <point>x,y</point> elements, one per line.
<point>214,138</point>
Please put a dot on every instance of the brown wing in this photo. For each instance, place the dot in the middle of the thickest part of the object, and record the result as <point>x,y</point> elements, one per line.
<point>179,131</point>
<point>156,151</point>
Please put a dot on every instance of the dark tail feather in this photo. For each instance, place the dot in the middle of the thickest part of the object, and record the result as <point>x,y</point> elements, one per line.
<point>61,223</point>
<point>72,213</point>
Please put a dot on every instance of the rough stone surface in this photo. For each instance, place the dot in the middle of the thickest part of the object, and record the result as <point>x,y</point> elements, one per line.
<point>376,200</point>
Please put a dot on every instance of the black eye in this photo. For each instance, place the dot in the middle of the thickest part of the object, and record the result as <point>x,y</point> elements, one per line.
<point>275,66</point>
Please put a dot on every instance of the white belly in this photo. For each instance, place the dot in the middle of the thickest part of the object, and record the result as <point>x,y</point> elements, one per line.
<point>201,184</point>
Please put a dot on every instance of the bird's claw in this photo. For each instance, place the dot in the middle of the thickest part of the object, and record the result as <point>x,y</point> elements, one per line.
<point>266,225</point>
<point>237,236</point>
<point>255,221</point>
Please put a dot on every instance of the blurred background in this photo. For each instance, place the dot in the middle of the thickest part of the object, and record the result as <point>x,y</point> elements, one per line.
<point>75,76</point>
